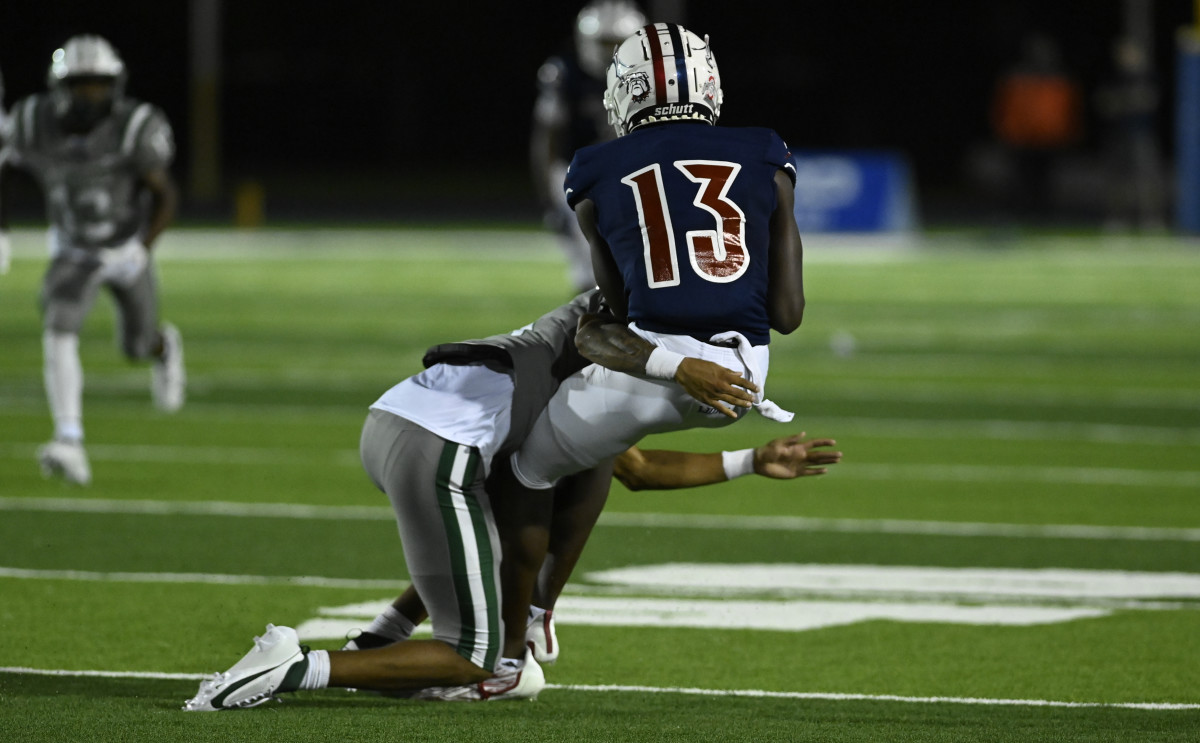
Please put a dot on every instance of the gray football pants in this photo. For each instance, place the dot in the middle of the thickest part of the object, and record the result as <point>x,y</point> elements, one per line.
<point>447,529</point>
<point>69,290</point>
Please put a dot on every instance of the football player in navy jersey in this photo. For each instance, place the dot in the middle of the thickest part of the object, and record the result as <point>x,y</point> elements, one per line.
<point>693,240</point>
<point>569,114</point>
<point>691,225</point>
<point>102,160</point>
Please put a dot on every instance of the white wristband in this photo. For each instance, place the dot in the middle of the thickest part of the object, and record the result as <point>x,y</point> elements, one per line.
<point>663,363</point>
<point>738,463</point>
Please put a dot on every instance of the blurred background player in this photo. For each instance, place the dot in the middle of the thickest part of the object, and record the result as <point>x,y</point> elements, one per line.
<point>570,114</point>
<point>1037,116</point>
<point>101,159</point>
<point>1128,105</point>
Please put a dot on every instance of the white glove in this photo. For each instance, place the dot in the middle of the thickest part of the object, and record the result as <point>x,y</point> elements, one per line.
<point>5,253</point>
<point>123,265</point>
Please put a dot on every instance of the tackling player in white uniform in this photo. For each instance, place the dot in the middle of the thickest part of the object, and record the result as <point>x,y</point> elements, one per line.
<point>429,443</point>
<point>101,159</point>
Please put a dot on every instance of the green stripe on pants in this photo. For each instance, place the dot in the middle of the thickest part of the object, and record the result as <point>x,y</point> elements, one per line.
<point>471,559</point>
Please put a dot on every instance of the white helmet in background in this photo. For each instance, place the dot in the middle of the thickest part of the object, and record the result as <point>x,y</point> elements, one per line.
<point>599,27</point>
<point>85,57</point>
<point>662,73</point>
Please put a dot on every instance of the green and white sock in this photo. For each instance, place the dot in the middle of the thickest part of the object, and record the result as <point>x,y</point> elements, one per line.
<point>392,625</point>
<point>316,673</point>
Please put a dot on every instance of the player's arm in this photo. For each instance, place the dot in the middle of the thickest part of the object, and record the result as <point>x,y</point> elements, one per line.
<point>782,459</point>
<point>604,266</point>
<point>548,133</point>
<point>603,340</point>
<point>785,288</point>
<point>164,199</point>
<point>544,144</point>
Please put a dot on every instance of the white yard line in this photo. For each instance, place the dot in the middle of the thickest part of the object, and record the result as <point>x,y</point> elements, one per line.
<point>1163,479</point>
<point>582,593</point>
<point>753,693</point>
<point>834,697</point>
<point>252,455</point>
<point>1023,473</point>
<point>628,520</point>
<point>1008,430</point>
<point>208,578</point>
<point>105,674</point>
<point>897,526</point>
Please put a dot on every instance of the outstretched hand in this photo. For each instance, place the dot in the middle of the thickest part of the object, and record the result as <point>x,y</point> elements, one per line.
<point>715,385</point>
<point>793,456</point>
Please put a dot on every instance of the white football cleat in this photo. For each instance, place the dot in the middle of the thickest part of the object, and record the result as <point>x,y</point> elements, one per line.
<point>523,683</point>
<point>272,666</point>
<point>169,377</point>
<point>540,637</point>
<point>66,459</point>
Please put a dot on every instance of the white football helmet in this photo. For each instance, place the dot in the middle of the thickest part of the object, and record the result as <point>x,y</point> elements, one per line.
<point>86,56</point>
<point>599,27</point>
<point>662,73</point>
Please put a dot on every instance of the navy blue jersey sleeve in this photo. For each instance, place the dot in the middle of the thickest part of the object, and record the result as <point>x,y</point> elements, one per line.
<point>780,156</point>
<point>575,185</point>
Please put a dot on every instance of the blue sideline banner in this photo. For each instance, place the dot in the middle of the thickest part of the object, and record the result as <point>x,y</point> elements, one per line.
<point>850,191</point>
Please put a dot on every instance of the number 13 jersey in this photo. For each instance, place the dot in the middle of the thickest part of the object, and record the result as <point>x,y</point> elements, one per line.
<point>686,211</point>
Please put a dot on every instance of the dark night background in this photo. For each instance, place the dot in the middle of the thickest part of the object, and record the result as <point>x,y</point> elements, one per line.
<point>367,110</point>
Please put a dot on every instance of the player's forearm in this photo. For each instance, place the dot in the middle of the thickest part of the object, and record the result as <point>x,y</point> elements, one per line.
<point>613,345</point>
<point>668,470</point>
<point>785,288</point>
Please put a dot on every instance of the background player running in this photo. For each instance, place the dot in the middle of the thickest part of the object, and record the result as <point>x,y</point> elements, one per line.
<point>101,159</point>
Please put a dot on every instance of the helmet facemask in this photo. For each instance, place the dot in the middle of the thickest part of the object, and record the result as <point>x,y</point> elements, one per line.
<point>88,100</point>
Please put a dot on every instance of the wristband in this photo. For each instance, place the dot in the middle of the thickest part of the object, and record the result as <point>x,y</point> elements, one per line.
<point>738,463</point>
<point>662,363</point>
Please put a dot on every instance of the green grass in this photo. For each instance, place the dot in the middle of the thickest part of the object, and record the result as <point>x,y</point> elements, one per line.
<point>1049,384</point>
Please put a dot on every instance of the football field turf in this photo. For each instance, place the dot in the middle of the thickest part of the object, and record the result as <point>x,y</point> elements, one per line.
<point>1009,551</point>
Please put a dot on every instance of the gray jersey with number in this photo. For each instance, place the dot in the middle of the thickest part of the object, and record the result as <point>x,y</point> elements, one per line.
<point>91,180</point>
